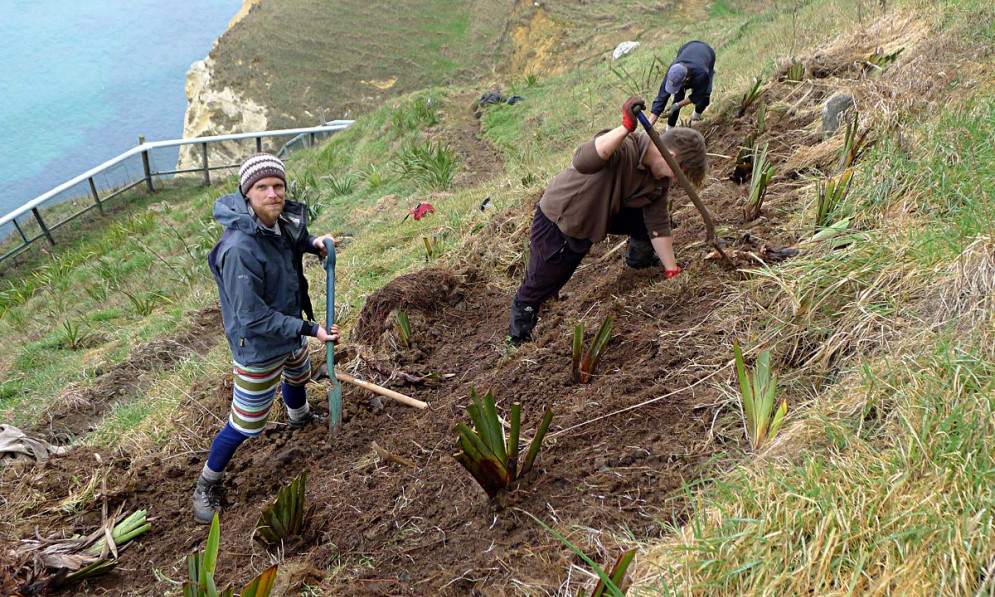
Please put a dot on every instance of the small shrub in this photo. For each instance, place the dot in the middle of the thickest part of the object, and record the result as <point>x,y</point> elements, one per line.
<point>433,165</point>
<point>531,79</point>
<point>649,78</point>
<point>373,177</point>
<point>753,92</point>
<point>484,453</point>
<point>763,171</point>
<point>583,368</point>
<point>73,336</point>
<point>340,184</point>
<point>758,392</point>
<point>144,305</point>
<point>829,195</point>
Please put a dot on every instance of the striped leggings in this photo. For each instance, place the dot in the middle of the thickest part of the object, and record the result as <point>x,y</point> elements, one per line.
<point>255,389</point>
<point>253,396</point>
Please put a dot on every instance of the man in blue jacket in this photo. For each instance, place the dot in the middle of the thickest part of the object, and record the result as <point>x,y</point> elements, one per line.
<point>694,69</point>
<point>263,293</point>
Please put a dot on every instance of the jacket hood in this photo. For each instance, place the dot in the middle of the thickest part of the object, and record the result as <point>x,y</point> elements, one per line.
<point>232,211</point>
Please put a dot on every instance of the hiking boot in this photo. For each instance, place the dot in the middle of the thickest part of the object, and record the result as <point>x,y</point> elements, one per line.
<point>523,319</point>
<point>310,417</point>
<point>206,500</point>
<point>639,254</point>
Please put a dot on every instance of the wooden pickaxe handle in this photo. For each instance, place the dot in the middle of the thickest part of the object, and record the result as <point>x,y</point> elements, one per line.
<point>683,181</point>
<point>380,390</point>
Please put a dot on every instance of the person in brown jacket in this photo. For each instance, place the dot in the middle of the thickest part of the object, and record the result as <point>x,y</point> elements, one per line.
<point>617,184</point>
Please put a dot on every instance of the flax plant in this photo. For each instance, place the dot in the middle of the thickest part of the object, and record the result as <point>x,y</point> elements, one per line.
<point>758,392</point>
<point>829,195</point>
<point>486,454</point>
<point>201,566</point>
<point>753,92</point>
<point>763,171</point>
<point>582,369</point>
<point>404,327</point>
<point>855,142</point>
<point>286,516</point>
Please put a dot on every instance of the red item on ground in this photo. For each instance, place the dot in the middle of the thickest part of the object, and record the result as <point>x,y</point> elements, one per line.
<point>670,273</point>
<point>420,210</point>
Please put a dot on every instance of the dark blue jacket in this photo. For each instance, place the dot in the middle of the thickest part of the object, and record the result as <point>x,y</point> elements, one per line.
<point>261,280</point>
<point>699,58</point>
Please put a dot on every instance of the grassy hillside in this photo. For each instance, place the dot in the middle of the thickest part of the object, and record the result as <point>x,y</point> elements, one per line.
<point>878,483</point>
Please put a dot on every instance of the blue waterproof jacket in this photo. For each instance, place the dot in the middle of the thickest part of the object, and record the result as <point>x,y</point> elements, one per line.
<point>261,280</point>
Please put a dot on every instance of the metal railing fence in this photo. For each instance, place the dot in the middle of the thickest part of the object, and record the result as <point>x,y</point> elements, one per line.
<point>137,166</point>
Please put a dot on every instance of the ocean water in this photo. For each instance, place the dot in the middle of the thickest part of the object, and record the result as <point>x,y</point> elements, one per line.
<point>82,80</point>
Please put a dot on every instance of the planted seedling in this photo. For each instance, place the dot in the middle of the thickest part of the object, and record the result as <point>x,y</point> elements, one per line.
<point>763,171</point>
<point>829,195</point>
<point>761,118</point>
<point>485,453</point>
<point>583,368</point>
<point>433,247</point>
<point>201,566</point>
<point>751,95</point>
<point>855,142</point>
<point>758,392</point>
<point>73,336</point>
<point>404,328</point>
<point>744,159</point>
<point>796,72</point>
<point>285,517</point>
<point>878,62</point>
<point>617,582</point>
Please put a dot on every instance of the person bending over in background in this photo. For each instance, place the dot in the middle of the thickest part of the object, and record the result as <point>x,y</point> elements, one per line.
<point>617,184</point>
<point>258,267</point>
<point>694,68</point>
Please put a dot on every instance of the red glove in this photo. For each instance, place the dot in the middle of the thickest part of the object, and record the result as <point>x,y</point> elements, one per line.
<point>629,118</point>
<point>670,273</point>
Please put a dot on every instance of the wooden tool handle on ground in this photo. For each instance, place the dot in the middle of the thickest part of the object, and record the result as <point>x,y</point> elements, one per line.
<point>380,390</point>
<point>684,182</point>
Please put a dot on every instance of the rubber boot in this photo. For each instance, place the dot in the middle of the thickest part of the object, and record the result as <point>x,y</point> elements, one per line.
<point>310,417</point>
<point>639,254</point>
<point>206,500</point>
<point>523,319</point>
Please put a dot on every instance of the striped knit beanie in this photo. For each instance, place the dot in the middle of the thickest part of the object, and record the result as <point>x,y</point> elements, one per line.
<point>258,166</point>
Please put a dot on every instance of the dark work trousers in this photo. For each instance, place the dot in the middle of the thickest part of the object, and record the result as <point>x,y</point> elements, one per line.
<point>554,256</point>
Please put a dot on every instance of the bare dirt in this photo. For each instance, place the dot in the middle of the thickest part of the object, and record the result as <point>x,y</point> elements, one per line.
<point>613,468</point>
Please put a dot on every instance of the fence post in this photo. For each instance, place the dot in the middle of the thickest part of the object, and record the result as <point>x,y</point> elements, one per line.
<point>41,223</point>
<point>145,166</point>
<point>24,236</point>
<point>96,197</point>
<point>207,171</point>
<point>259,144</point>
<point>311,140</point>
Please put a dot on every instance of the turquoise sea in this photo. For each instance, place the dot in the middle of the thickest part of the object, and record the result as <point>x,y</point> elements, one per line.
<point>82,80</point>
